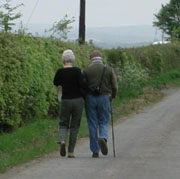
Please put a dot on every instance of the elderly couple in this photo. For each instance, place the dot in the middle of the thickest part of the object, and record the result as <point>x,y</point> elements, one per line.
<point>97,106</point>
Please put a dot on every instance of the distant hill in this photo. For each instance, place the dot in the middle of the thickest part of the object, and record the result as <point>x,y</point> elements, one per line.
<point>109,37</point>
<point>125,36</point>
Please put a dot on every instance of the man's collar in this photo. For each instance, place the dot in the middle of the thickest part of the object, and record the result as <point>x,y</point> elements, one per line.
<point>97,60</point>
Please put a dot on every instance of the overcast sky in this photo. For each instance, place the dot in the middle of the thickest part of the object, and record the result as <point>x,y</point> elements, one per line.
<point>98,12</point>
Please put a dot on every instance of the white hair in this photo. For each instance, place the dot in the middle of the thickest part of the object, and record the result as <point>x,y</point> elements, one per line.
<point>68,56</point>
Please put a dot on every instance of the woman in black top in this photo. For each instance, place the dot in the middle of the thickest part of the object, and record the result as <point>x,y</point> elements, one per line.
<point>71,80</point>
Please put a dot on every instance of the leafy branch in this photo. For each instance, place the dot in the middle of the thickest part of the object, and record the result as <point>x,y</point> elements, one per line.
<point>7,16</point>
<point>61,29</point>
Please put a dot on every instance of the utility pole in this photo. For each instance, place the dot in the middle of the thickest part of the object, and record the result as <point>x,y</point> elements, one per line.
<point>82,26</point>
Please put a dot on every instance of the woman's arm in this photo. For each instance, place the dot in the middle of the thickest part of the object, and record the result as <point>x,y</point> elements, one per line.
<point>59,93</point>
<point>57,78</point>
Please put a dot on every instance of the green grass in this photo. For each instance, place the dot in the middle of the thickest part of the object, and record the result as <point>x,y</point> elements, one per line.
<point>170,78</point>
<point>39,137</point>
<point>31,141</point>
<point>28,142</point>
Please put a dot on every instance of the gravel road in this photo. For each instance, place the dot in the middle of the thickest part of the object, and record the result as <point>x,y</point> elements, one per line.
<point>147,147</point>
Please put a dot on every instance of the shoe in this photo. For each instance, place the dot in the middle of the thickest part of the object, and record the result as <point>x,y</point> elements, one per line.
<point>71,155</point>
<point>95,155</point>
<point>103,146</point>
<point>63,149</point>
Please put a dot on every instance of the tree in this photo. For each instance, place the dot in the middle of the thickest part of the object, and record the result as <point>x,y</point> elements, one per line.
<point>60,29</point>
<point>168,18</point>
<point>7,16</point>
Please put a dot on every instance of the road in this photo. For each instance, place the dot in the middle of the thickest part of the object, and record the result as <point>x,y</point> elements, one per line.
<point>147,147</point>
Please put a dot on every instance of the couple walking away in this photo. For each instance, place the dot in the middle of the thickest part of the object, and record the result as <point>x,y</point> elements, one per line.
<point>100,83</point>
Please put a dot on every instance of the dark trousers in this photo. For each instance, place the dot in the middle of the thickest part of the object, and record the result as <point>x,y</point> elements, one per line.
<point>70,118</point>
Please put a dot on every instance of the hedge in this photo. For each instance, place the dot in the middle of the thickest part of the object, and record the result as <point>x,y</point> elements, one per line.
<point>28,65</point>
<point>27,68</point>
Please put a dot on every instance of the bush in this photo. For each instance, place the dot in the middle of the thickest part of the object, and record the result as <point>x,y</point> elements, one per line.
<point>27,69</point>
<point>137,65</point>
<point>157,59</point>
<point>131,77</point>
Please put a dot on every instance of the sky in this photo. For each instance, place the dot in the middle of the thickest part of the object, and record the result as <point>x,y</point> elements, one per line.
<point>99,13</point>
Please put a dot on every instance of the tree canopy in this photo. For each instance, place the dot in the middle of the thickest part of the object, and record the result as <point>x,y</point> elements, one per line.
<point>7,16</point>
<point>168,18</point>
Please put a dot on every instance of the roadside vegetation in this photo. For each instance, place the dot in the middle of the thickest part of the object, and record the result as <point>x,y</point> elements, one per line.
<point>28,101</point>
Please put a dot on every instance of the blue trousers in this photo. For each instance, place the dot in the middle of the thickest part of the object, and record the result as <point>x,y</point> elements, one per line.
<point>98,116</point>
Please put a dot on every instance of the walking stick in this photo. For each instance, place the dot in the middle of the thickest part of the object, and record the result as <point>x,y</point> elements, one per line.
<point>114,152</point>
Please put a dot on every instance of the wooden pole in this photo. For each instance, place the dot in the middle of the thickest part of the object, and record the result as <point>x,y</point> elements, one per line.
<point>82,26</point>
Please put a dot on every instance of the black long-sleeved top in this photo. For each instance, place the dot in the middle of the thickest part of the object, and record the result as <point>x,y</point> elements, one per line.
<point>71,80</point>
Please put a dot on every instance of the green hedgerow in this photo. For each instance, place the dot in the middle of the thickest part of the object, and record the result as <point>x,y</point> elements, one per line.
<point>27,68</point>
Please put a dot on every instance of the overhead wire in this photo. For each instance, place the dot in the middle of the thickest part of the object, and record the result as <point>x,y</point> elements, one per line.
<point>35,6</point>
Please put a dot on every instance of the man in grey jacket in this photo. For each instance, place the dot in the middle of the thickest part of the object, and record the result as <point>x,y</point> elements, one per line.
<point>98,106</point>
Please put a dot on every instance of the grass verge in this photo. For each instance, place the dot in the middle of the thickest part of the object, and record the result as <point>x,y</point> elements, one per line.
<point>31,141</point>
<point>39,137</point>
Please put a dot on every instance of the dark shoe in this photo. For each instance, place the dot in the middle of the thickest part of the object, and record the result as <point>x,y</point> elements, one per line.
<point>103,146</point>
<point>95,155</point>
<point>63,149</point>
